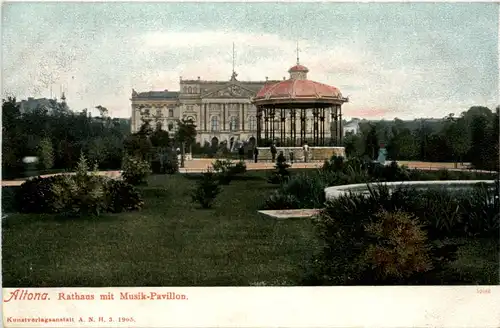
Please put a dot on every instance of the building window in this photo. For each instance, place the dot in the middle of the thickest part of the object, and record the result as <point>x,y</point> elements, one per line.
<point>158,112</point>
<point>252,123</point>
<point>190,90</point>
<point>214,123</point>
<point>233,123</point>
<point>170,126</point>
<point>158,126</point>
<point>170,113</point>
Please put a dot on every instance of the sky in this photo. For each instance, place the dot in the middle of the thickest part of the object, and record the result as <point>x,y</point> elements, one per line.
<point>405,60</point>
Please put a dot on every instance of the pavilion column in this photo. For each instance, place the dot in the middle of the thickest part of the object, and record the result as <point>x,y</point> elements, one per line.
<point>293,128</point>
<point>272,115</point>
<point>334,126</point>
<point>266,125</point>
<point>302,126</point>
<point>283,141</point>
<point>315,127</point>
<point>322,126</point>
<point>341,131</point>
<point>259,126</point>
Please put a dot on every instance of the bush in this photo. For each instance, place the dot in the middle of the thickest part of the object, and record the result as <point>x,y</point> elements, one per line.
<point>76,195</point>
<point>347,226</point>
<point>81,194</point>
<point>239,168</point>
<point>35,195</point>
<point>281,175</point>
<point>206,190</point>
<point>226,170</point>
<point>279,200</point>
<point>121,196</point>
<point>135,170</point>
<point>398,249</point>
<point>165,162</point>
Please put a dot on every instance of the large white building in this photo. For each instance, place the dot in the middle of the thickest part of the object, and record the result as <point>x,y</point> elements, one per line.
<point>221,110</point>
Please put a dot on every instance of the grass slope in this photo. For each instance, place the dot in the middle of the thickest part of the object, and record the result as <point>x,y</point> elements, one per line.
<point>169,242</point>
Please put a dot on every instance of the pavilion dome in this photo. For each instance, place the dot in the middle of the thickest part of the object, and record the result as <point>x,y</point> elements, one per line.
<point>298,68</point>
<point>298,89</point>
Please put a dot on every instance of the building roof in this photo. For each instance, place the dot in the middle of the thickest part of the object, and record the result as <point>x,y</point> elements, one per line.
<point>298,68</point>
<point>298,91</point>
<point>156,94</point>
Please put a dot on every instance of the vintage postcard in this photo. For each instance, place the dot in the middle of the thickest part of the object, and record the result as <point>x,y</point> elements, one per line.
<point>250,164</point>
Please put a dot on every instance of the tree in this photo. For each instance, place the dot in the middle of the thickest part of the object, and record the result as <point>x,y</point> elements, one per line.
<point>46,154</point>
<point>185,135</point>
<point>457,138</point>
<point>371,142</point>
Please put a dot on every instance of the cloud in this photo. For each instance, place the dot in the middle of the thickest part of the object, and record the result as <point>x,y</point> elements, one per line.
<point>106,72</point>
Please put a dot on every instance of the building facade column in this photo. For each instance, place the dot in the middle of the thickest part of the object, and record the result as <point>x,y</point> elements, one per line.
<point>240,121</point>
<point>205,118</point>
<point>223,117</point>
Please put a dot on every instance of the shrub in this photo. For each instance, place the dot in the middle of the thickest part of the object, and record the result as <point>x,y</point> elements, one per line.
<point>165,162</point>
<point>239,168</point>
<point>135,170</point>
<point>81,194</point>
<point>121,196</point>
<point>336,164</point>
<point>281,174</point>
<point>398,249</point>
<point>35,195</point>
<point>206,190</point>
<point>226,170</point>
<point>342,228</point>
<point>481,210</point>
<point>279,200</point>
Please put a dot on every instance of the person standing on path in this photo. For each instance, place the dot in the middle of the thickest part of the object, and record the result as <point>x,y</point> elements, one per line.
<point>273,152</point>
<point>241,152</point>
<point>255,153</point>
<point>306,151</point>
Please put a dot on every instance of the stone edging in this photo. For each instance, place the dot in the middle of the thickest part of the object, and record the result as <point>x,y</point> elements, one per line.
<point>337,191</point>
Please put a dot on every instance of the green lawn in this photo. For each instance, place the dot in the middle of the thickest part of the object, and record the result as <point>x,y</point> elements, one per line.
<point>169,242</point>
<point>172,242</point>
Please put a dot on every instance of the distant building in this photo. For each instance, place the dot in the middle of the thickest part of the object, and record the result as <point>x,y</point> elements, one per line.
<point>31,104</point>
<point>351,127</point>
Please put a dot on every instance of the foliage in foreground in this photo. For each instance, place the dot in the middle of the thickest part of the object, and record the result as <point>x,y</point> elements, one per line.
<point>225,170</point>
<point>135,170</point>
<point>368,239</point>
<point>281,173</point>
<point>165,161</point>
<point>82,194</point>
<point>206,190</point>
<point>306,190</point>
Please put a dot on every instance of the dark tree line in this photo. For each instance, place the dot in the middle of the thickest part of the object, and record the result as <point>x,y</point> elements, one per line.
<point>472,137</point>
<point>58,137</point>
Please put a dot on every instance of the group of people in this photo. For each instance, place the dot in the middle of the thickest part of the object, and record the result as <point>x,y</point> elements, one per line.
<point>274,151</point>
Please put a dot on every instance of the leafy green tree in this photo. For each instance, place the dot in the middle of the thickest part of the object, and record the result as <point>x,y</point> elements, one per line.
<point>46,154</point>
<point>457,138</point>
<point>185,135</point>
<point>371,142</point>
